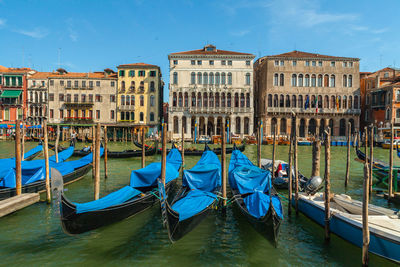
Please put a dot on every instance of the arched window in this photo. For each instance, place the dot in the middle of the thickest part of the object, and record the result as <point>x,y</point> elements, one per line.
<point>276,79</point>
<point>275,101</point>
<point>175,78</point>
<point>217,78</point>
<point>281,101</point>
<point>387,114</point>
<point>128,100</point>
<point>152,87</point>
<point>142,101</point>
<point>300,79</point>
<point>223,78</point>
<point>242,100</point>
<point>345,80</point>
<point>294,80</point>
<point>217,100</point>
<point>320,101</point>
<point>356,102</point>
<point>132,88</point>
<point>282,80</point>
<point>313,80</point>
<point>230,78</point>
<point>180,99</point>
<point>287,102</point>
<point>294,101</point>
<point>205,78</point>
<point>307,80</point>
<point>326,80</point>
<point>269,100</point>
<point>141,87</point>
<point>223,100</point>
<point>319,80</point>
<point>205,99</point>
<point>141,116</point>
<point>132,100</point>
<point>152,100</point>
<point>199,100</point>
<point>151,116</point>
<point>199,80</point>
<point>123,99</point>
<point>229,100</point>
<point>333,81</point>
<point>350,101</point>
<point>344,101</point>
<point>247,100</point>
<point>176,124</point>
<point>192,78</point>
<point>185,102</point>
<point>237,125</point>
<point>122,116</point>
<point>211,100</point>
<point>246,125</point>
<point>127,116</point>
<point>236,100</point>
<point>211,78</point>
<point>193,99</point>
<point>350,81</point>
<point>312,101</point>
<point>326,102</point>
<point>300,101</point>
<point>333,102</point>
<point>247,78</point>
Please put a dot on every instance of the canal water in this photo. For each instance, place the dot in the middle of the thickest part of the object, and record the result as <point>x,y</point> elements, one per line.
<point>34,237</point>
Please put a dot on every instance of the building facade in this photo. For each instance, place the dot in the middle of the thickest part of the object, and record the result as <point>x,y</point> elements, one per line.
<point>80,98</point>
<point>323,91</point>
<point>37,92</point>
<point>207,86</point>
<point>140,95</point>
<point>13,97</point>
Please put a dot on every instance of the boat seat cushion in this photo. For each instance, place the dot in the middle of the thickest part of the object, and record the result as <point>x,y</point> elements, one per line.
<point>115,198</point>
<point>194,202</point>
<point>258,204</point>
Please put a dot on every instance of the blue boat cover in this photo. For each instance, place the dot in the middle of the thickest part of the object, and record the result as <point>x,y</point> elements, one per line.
<point>194,202</point>
<point>148,175</point>
<point>36,171</point>
<point>249,179</point>
<point>33,151</point>
<point>120,196</point>
<point>205,175</point>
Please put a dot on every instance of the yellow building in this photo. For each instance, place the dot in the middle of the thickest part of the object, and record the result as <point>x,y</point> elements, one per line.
<point>140,94</point>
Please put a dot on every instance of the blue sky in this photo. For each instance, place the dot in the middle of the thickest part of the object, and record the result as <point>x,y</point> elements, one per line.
<point>93,35</point>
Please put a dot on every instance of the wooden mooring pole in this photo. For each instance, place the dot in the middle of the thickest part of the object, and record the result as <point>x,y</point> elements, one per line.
<point>183,148</point>
<point>18,174</point>
<point>371,157</point>
<point>327,183</point>
<point>296,171</point>
<point>164,153</point>
<point>93,152</point>
<point>97,160</point>
<point>223,162</point>
<point>23,141</point>
<point>46,160</point>
<point>347,178</point>
<point>105,151</point>
<point>273,153</point>
<point>365,230</point>
<point>143,149</point>
<point>316,158</point>
<point>57,141</point>
<point>290,182</point>
<point>259,138</point>
<point>390,182</point>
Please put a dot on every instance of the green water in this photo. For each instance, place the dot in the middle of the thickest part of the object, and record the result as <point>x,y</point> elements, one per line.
<point>34,237</point>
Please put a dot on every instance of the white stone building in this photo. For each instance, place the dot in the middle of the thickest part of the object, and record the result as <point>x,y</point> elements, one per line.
<point>208,85</point>
<point>37,97</point>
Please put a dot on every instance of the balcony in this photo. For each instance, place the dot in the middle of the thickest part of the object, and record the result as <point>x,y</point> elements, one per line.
<point>313,110</point>
<point>397,120</point>
<point>79,104</point>
<point>79,119</point>
<point>126,108</point>
<point>211,110</point>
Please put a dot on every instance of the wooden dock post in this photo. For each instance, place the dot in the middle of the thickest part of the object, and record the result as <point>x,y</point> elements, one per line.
<point>164,153</point>
<point>365,230</point>
<point>97,160</point>
<point>371,158</point>
<point>46,160</point>
<point>327,184</point>
<point>57,141</point>
<point>183,148</point>
<point>290,182</point>
<point>346,181</point>
<point>316,158</point>
<point>273,153</point>
<point>143,149</point>
<point>93,152</point>
<point>114,134</point>
<point>390,182</point>
<point>18,174</point>
<point>105,151</point>
<point>259,138</point>
<point>296,171</point>
<point>223,162</point>
<point>23,141</point>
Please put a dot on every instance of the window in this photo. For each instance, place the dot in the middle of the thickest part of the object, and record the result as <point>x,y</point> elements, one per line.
<point>112,114</point>
<point>300,79</point>
<point>350,83</point>
<point>223,78</point>
<point>313,80</point>
<point>62,83</point>
<point>98,83</point>
<point>294,63</point>
<point>175,78</point>
<point>276,62</point>
<point>112,98</point>
<point>345,64</point>
<point>230,62</point>
<point>350,64</point>
<point>387,114</point>
<point>68,98</point>
<point>282,63</point>
<point>83,98</point>
<point>69,84</point>
<point>122,100</point>
<point>333,64</point>
<point>217,78</point>
<point>132,100</point>
<point>98,114</point>
<point>61,97</point>
<point>76,98</point>
<point>307,80</point>
<point>344,79</point>
<point>314,63</point>
<point>205,78</point>
<point>141,101</point>
<point>199,62</point>
<point>132,116</point>
<point>153,73</point>
<point>61,114</point>
<point>152,86</point>
<point>199,80</point>
<point>192,78</point>
<point>51,97</point>
<point>51,113</point>
<point>141,73</point>
<point>91,84</point>
<point>211,62</point>
<point>211,80</point>
<point>398,113</point>
<point>151,116</point>
<point>223,62</point>
<point>193,62</point>
<point>230,78</point>
<point>131,73</point>
<point>127,100</point>
<point>141,117</point>
<point>332,81</point>
<point>276,79</point>
<point>319,80</point>
<point>42,83</point>
<point>152,101</point>
<point>112,83</point>
<point>122,73</point>
<point>282,80</point>
<point>294,80</point>
<point>247,78</point>
<point>247,62</point>
<point>307,63</point>
<point>175,62</point>
<point>83,84</point>
<point>51,82</point>
<point>76,84</point>
<point>320,63</point>
<point>386,75</point>
<point>98,98</point>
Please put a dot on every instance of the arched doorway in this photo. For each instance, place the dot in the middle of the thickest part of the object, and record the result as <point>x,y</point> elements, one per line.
<point>246,125</point>
<point>210,126</point>
<point>342,127</point>
<point>321,127</point>
<point>219,125</point>
<point>273,124</point>
<point>312,127</point>
<point>352,131</point>
<point>302,132</point>
<point>237,130</point>
<point>331,125</point>
<point>202,126</point>
<point>283,126</point>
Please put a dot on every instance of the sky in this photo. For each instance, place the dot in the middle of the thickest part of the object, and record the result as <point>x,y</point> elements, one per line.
<point>90,35</point>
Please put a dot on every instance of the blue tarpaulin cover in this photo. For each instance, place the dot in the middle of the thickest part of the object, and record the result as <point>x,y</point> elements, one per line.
<point>33,151</point>
<point>33,171</point>
<point>249,179</point>
<point>148,176</point>
<point>145,178</point>
<point>203,179</point>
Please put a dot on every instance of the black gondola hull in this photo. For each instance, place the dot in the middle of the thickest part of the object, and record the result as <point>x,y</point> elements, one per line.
<point>122,154</point>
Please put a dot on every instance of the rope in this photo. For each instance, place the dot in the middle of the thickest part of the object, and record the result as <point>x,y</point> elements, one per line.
<point>284,198</point>
<point>154,194</point>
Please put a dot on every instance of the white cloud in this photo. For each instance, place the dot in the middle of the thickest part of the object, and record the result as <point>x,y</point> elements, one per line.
<point>37,32</point>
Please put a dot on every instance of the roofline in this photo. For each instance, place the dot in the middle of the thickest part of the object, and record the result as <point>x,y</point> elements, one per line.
<point>126,66</point>
<point>312,58</point>
<point>248,56</point>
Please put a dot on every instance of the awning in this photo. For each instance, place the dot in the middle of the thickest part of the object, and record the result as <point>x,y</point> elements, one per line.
<point>11,93</point>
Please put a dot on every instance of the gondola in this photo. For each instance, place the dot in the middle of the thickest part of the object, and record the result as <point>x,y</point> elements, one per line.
<point>139,195</point>
<point>33,176</point>
<point>120,154</point>
<point>195,199</point>
<point>33,153</point>
<point>253,194</point>
<point>217,151</point>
